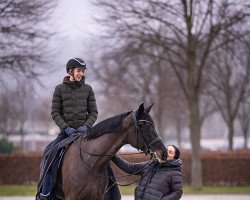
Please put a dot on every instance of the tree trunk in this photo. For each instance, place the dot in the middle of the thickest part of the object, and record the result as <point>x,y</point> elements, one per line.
<point>178,131</point>
<point>230,135</point>
<point>245,131</point>
<point>21,132</point>
<point>245,141</point>
<point>159,116</point>
<point>195,127</point>
<point>160,103</point>
<point>194,110</point>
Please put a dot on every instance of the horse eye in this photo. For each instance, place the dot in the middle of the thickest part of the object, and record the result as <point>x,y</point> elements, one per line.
<point>141,123</point>
<point>146,127</point>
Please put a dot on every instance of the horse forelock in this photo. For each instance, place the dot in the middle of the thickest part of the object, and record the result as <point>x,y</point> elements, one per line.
<point>110,125</point>
<point>147,117</point>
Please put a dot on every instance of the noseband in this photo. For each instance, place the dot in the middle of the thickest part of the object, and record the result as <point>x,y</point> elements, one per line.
<point>148,144</point>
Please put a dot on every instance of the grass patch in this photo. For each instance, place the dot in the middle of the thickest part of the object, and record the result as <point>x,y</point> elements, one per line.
<point>17,190</point>
<point>30,190</point>
<point>127,190</point>
<point>219,190</point>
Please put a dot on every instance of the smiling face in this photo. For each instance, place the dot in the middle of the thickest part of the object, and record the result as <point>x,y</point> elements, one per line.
<point>77,74</point>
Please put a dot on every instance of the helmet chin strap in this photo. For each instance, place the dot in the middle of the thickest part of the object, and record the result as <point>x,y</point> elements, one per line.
<point>73,76</point>
<point>71,72</point>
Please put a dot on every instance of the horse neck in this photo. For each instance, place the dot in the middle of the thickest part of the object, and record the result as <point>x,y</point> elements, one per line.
<point>105,146</point>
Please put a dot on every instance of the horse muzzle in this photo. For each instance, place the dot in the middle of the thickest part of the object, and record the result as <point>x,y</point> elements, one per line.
<point>155,156</point>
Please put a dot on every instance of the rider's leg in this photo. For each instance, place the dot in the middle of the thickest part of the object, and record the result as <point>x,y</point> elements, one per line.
<point>46,186</point>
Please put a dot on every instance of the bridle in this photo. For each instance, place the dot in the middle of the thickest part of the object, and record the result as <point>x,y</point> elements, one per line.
<point>148,144</point>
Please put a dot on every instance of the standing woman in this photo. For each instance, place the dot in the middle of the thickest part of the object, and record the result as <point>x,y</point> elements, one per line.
<point>159,181</point>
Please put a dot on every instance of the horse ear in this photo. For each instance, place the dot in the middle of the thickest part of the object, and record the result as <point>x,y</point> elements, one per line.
<point>140,110</point>
<point>149,108</point>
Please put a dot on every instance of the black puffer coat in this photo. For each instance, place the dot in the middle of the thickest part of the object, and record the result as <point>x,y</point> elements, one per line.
<point>74,104</point>
<point>158,181</point>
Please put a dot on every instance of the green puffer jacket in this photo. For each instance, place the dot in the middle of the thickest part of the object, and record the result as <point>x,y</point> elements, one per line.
<point>74,104</point>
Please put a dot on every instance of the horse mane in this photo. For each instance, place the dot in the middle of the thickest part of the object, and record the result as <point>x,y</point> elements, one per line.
<point>109,125</point>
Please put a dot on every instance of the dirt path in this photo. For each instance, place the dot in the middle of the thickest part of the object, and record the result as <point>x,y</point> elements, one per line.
<point>185,197</point>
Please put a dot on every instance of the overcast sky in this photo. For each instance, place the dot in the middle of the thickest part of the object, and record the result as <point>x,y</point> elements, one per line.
<point>75,17</point>
<point>73,21</point>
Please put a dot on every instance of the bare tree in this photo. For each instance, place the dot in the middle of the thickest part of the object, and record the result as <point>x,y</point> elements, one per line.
<point>229,79</point>
<point>40,116</point>
<point>24,96</point>
<point>185,32</point>
<point>24,37</point>
<point>244,109</point>
<point>177,114</point>
<point>244,118</point>
<point>7,115</point>
<point>130,78</point>
<point>16,105</point>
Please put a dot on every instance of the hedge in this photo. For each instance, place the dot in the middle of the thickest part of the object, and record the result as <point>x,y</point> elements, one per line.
<point>218,168</point>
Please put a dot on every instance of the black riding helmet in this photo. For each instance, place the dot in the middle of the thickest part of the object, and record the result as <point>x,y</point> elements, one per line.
<point>75,62</point>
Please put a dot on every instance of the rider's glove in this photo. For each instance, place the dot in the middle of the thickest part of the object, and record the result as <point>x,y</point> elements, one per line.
<point>82,129</point>
<point>70,131</point>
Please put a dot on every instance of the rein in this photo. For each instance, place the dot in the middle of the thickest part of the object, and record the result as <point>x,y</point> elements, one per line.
<point>100,175</point>
<point>138,130</point>
<point>91,154</point>
<point>148,149</point>
<point>89,168</point>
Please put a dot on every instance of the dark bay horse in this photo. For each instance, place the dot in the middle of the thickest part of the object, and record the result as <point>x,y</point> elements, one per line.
<point>84,166</point>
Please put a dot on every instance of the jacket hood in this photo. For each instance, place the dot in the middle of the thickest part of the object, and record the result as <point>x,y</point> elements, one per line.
<point>173,163</point>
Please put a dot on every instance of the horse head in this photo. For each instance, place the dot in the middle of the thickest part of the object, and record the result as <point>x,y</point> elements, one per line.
<point>143,135</point>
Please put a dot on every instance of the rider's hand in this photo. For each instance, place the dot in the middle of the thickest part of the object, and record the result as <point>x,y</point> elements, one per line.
<point>70,131</point>
<point>82,129</point>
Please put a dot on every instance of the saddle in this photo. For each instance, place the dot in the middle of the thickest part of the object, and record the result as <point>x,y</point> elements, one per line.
<point>51,163</point>
<point>49,168</point>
